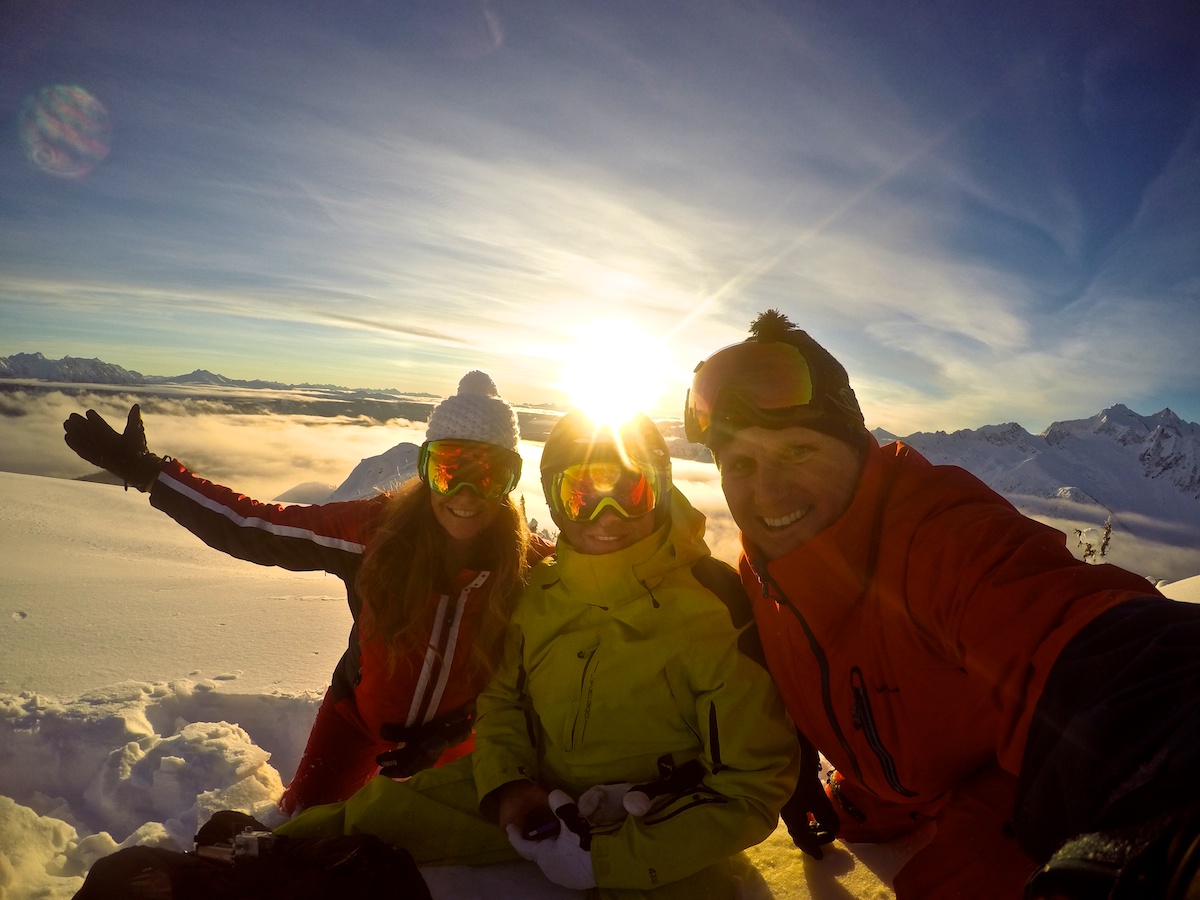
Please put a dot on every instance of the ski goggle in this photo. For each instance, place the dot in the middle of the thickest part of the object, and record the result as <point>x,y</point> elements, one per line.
<point>752,377</point>
<point>448,466</point>
<point>581,492</point>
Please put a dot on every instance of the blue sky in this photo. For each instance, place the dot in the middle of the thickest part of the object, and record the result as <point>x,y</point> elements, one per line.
<point>989,212</point>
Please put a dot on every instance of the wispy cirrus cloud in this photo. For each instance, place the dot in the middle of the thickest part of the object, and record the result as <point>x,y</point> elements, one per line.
<point>967,206</point>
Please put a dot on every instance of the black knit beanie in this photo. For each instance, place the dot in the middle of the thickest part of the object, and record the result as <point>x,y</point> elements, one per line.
<point>834,409</point>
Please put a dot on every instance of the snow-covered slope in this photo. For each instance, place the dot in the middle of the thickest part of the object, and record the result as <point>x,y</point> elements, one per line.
<point>378,473</point>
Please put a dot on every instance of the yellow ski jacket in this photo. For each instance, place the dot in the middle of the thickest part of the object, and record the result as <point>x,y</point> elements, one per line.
<point>623,667</point>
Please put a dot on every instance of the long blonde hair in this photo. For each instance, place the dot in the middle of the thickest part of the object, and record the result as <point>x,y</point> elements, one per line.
<point>403,568</point>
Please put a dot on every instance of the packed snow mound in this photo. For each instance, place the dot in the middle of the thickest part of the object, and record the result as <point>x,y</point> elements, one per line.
<point>1186,590</point>
<point>129,766</point>
<point>133,753</point>
<point>85,778</point>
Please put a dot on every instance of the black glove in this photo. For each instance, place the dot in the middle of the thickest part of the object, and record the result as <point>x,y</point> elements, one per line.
<point>810,799</point>
<point>125,454</point>
<point>419,746</point>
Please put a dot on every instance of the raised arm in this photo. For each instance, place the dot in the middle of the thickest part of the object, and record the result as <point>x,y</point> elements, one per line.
<point>329,537</point>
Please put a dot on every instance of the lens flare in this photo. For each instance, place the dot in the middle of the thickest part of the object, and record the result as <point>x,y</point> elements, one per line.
<point>65,130</point>
<point>613,370</point>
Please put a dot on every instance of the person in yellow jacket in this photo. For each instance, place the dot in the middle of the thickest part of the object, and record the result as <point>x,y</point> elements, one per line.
<point>632,741</point>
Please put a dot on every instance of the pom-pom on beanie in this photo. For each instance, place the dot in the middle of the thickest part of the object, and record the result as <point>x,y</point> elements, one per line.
<point>475,413</point>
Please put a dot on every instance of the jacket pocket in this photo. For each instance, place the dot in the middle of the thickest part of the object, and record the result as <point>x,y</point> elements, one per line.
<point>865,721</point>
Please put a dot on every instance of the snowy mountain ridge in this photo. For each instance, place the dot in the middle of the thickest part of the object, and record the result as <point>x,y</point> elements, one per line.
<point>77,370</point>
<point>68,369</point>
<point>1120,463</point>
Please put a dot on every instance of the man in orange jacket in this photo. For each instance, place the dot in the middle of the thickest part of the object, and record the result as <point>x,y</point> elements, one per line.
<point>948,655</point>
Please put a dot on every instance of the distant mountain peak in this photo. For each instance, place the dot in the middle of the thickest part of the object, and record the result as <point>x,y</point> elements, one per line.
<point>377,474</point>
<point>1010,433</point>
<point>1168,415</point>
<point>75,370</point>
<point>200,376</point>
<point>1117,459</point>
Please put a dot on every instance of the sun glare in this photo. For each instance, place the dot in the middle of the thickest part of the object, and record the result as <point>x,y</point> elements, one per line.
<point>614,370</point>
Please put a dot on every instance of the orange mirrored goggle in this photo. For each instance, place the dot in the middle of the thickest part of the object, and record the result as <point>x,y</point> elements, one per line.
<point>581,492</point>
<point>754,378</point>
<point>448,466</point>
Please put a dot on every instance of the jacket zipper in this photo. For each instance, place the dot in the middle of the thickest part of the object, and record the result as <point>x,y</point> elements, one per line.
<point>778,596</point>
<point>864,720</point>
<point>760,567</point>
<point>587,684</point>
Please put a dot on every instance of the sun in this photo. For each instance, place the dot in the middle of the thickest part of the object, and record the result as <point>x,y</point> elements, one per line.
<point>614,369</point>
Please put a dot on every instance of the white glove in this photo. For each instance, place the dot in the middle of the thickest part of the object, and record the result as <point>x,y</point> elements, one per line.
<point>608,804</point>
<point>638,802</point>
<point>566,858</point>
<point>604,804</point>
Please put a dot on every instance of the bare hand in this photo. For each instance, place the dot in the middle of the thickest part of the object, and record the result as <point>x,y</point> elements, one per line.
<point>516,799</point>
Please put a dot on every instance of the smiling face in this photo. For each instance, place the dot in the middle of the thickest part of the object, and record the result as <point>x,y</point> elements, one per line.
<point>464,516</point>
<point>786,485</point>
<point>607,533</point>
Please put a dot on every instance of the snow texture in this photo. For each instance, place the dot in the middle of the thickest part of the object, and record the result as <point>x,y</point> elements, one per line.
<point>147,681</point>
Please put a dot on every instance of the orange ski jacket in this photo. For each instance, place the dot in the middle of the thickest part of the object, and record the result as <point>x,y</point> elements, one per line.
<point>912,638</point>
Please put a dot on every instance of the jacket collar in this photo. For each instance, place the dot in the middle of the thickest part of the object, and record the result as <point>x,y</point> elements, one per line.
<point>611,580</point>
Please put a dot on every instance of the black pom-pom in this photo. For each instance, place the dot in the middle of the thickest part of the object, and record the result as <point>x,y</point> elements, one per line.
<point>771,325</point>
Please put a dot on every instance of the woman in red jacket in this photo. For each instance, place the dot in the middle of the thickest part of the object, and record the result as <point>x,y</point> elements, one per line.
<point>949,656</point>
<point>431,572</point>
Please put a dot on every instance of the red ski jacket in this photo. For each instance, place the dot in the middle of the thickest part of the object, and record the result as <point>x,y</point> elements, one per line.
<point>334,537</point>
<point>912,638</point>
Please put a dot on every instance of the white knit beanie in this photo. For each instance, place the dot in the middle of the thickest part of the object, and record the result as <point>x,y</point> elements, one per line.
<point>475,413</point>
